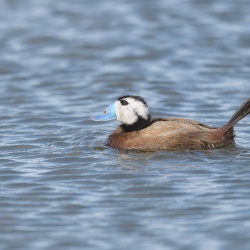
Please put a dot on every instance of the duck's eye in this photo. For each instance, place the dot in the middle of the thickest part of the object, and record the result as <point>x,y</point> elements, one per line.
<point>105,112</point>
<point>124,103</point>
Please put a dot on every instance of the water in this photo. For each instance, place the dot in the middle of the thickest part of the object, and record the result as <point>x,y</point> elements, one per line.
<point>62,61</point>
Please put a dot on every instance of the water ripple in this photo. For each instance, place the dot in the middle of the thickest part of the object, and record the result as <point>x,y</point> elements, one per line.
<point>62,62</point>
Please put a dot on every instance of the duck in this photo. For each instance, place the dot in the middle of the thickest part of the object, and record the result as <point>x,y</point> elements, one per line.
<point>138,131</point>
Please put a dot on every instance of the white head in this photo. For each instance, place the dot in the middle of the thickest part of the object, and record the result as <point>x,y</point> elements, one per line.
<point>131,111</point>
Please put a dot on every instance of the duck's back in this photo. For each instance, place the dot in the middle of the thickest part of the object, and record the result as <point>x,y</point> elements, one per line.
<point>170,134</point>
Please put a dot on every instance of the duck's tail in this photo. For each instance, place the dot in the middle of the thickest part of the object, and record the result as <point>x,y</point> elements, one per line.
<point>243,111</point>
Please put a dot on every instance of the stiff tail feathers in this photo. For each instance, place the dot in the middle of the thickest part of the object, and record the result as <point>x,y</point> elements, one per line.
<point>243,111</point>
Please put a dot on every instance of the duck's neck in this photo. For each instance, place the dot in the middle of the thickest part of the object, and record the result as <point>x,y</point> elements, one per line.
<point>141,123</point>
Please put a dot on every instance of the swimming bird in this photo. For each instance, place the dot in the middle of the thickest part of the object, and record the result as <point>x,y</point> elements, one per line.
<point>138,131</point>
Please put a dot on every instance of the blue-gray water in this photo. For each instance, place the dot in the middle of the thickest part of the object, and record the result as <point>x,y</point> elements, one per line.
<point>62,61</point>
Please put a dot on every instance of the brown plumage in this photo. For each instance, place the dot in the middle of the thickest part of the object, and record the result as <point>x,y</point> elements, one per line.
<point>171,133</point>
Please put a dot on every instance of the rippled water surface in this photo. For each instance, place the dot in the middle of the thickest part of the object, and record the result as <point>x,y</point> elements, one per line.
<point>62,61</point>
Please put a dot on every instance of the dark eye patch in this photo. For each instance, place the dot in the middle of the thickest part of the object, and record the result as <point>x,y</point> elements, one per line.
<point>123,102</point>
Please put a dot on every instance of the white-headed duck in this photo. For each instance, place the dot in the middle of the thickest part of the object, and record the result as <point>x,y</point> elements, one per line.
<point>138,131</point>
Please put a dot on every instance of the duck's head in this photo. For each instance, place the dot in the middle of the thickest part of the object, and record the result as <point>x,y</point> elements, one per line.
<point>131,111</point>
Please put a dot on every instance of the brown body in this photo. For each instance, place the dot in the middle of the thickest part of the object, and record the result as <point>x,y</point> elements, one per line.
<point>178,133</point>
